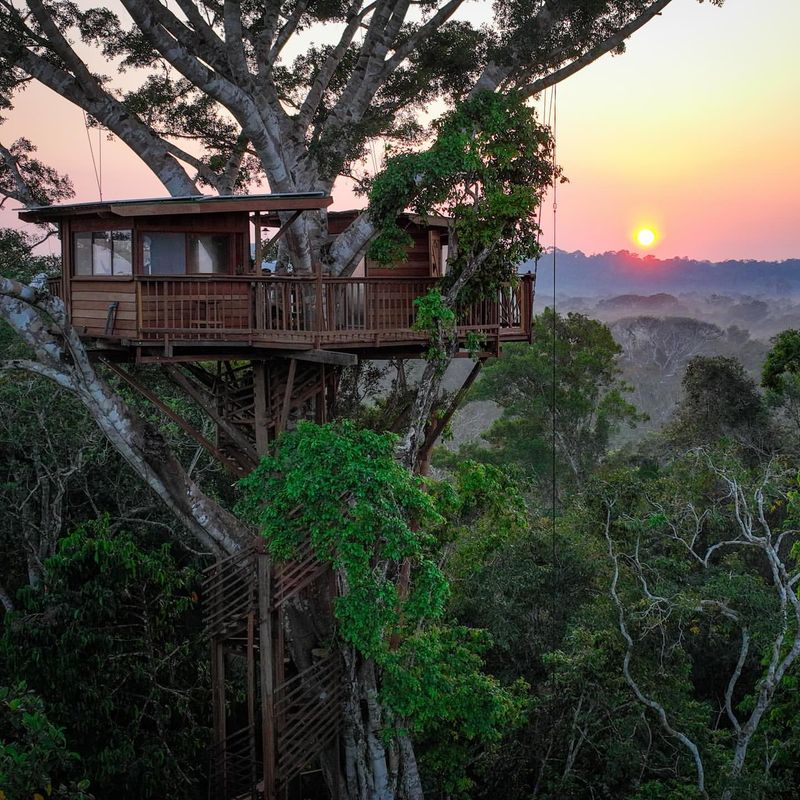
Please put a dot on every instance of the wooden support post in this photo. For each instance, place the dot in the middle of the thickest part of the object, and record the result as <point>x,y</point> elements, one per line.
<point>266,659</point>
<point>287,397</point>
<point>218,704</point>
<point>320,405</point>
<point>246,457</point>
<point>261,406</point>
<point>258,257</point>
<point>318,302</point>
<point>251,701</point>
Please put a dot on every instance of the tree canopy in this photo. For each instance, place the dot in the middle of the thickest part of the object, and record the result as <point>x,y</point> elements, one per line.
<point>219,94</point>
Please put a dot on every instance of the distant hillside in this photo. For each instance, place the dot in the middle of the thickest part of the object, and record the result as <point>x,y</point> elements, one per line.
<point>622,272</point>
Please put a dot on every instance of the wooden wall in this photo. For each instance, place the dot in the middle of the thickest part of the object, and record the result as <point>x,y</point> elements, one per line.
<point>91,298</point>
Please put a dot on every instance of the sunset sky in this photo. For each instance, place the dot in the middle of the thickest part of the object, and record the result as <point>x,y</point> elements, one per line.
<point>693,132</point>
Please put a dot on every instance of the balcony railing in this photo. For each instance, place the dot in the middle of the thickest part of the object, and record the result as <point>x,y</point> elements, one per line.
<point>313,311</point>
<point>54,286</point>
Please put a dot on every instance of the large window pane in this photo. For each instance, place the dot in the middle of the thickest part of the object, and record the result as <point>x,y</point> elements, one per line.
<point>208,253</point>
<point>123,252</point>
<point>101,253</point>
<point>83,253</point>
<point>164,253</point>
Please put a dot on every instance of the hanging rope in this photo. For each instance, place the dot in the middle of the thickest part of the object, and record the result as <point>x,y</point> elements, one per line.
<point>553,498</point>
<point>97,173</point>
<point>548,105</point>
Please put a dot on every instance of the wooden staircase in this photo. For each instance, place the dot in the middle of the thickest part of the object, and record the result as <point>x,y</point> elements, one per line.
<point>289,715</point>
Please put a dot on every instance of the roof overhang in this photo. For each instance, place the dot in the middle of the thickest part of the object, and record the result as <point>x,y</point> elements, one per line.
<point>165,206</point>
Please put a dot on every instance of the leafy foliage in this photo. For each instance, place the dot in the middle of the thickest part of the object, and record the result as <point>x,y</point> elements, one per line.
<point>368,516</point>
<point>587,399</point>
<point>112,641</point>
<point>485,169</point>
<point>784,357</point>
<point>720,400</point>
<point>33,752</point>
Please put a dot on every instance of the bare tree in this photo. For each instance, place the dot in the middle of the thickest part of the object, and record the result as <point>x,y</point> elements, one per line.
<point>751,527</point>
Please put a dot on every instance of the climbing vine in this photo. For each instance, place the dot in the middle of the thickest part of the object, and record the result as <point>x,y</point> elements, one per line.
<point>369,516</point>
<point>488,165</point>
<point>364,513</point>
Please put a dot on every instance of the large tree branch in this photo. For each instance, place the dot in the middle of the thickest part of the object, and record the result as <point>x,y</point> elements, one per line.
<point>402,52</point>
<point>234,42</point>
<point>591,55</point>
<point>152,150</point>
<point>350,245</point>
<point>260,122</point>
<point>40,320</point>
<point>20,190</point>
<point>326,72</point>
<point>287,30</point>
<point>366,73</point>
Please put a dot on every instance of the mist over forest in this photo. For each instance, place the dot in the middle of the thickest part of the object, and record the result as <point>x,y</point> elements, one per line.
<point>663,313</point>
<point>622,273</point>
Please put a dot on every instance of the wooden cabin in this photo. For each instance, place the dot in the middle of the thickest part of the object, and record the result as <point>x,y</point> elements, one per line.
<point>176,279</point>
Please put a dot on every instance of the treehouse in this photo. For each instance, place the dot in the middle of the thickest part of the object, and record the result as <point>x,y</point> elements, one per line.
<point>192,284</point>
<point>186,279</point>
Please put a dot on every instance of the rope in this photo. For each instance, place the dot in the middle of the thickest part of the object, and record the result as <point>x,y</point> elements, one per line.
<point>548,116</point>
<point>553,498</point>
<point>97,173</point>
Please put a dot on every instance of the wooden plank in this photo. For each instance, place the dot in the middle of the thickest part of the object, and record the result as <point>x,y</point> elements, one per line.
<point>287,396</point>
<point>261,416</point>
<point>101,313</point>
<point>109,296</point>
<point>334,357</point>
<point>213,206</point>
<point>266,659</point>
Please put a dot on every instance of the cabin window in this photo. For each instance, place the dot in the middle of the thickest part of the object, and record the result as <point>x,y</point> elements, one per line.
<point>207,254</point>
<point>103,253</point>
<point>185,253</point>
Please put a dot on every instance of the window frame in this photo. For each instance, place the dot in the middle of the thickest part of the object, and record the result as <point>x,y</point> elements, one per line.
<point>231,236</point>
<point>99,226</point>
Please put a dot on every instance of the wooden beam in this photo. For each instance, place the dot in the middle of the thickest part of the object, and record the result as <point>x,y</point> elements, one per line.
<point>282,230</point>
<point>188,429</point>
<point>247,458</point>
<point>266,659</point>
<point>287,396</point>
<point>214,206</point>
<point>258,256</point>
<point>260,406</point>
<point>334,357</point>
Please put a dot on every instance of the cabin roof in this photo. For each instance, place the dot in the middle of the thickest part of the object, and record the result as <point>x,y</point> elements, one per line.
<point>198,204</point>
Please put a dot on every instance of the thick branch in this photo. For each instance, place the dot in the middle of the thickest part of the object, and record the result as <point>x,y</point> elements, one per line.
<point>591,55</point>
<point>64,360</point>
<point>323,77</point>
<point>20,192</point>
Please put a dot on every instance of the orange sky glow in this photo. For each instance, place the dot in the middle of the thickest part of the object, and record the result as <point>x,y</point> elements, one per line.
<point>693,132</point>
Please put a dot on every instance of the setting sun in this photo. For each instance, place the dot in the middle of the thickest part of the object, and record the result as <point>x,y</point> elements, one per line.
<point>645,237</point>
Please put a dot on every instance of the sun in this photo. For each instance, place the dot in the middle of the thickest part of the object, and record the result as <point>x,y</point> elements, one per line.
<point>645,237</point>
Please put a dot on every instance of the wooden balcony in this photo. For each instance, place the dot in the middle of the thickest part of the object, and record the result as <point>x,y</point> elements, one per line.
<point>283,312</point>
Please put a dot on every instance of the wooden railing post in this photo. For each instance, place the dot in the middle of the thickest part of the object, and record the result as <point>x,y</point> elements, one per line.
<point>318,327</point>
